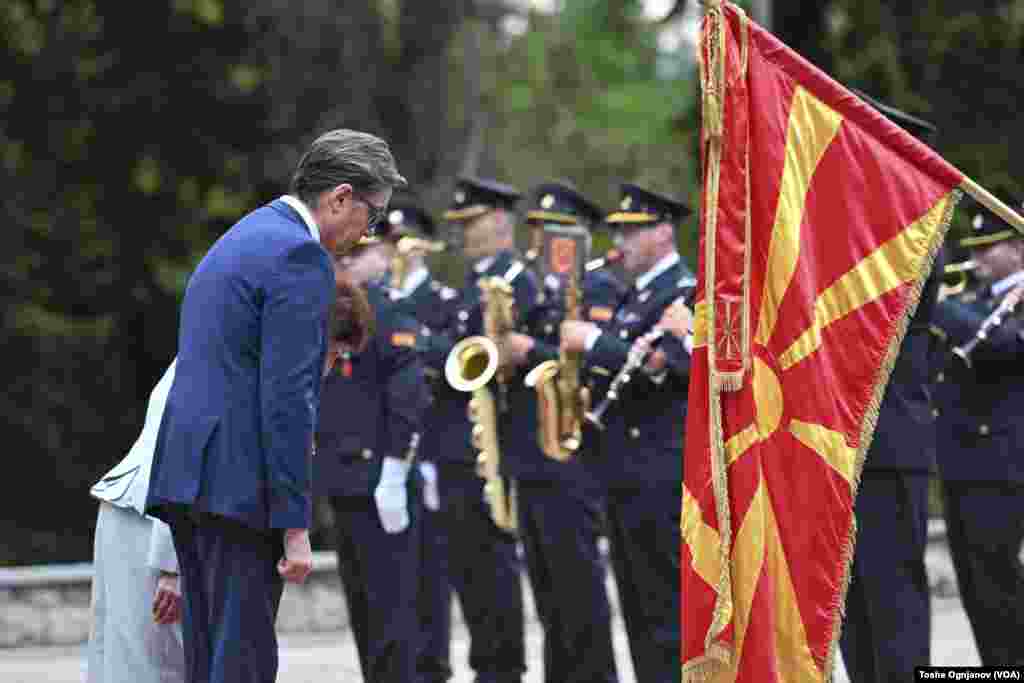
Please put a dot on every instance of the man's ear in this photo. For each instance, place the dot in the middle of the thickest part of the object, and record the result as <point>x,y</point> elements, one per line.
<point>339,195</point>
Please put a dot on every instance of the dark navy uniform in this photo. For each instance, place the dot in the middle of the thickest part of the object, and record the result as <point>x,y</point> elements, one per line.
<point>431,304</point>
<point>980,458</point>
<point>372,407</point>
<point>483,564</point>
<point>561,503</point>
<point>886,630</point>
<point>638,456</point>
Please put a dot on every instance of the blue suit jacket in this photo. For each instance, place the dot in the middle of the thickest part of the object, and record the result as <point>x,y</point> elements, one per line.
<point>238,427</point>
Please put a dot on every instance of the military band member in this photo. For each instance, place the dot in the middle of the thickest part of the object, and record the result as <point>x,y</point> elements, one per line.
<point>369,426</point>
<point>483,563</point>
<point>638,455</point>
<point>560,503</point>
<point>886,631</point>
<point>980,435</point>
<point>416,293</point>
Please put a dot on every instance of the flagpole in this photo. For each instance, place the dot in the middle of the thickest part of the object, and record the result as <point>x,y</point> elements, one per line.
<point>992,203</point>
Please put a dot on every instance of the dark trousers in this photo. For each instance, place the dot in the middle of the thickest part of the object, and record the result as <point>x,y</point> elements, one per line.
<point>985,527</point>
<point>484,571</point>
<point>434,602</point>
<point>887,631</point>
<point>232,592</point>
<point>379,577</point>
<point>559,530</point>
<point>643,526</point>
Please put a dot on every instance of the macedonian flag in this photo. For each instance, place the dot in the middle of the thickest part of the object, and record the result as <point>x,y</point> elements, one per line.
<point>820,221</point>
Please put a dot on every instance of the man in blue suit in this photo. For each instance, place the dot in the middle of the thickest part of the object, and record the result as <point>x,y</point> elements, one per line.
<point>231,471</point>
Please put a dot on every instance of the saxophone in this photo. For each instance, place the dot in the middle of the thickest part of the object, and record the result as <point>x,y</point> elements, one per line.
<point>561,401</point>
<point>470,366</point>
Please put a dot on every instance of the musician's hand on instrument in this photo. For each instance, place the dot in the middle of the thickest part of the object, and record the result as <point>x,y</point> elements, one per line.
<point>515,347</point>
<point>677,319</point>
<point>656,362</point>
<point>574,333</point>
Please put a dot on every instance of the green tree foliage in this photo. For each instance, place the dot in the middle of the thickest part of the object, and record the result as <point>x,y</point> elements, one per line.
<point>955,64</point>
<point>587,95</point>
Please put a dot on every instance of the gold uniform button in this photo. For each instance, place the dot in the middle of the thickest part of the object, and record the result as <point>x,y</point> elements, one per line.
<point>367,454</point>
<point>941,377</point>
<point>623,333</point>
<point>984,430</point>
<point>634,433</point>
<point>549,328</point>
<point>935,412</point>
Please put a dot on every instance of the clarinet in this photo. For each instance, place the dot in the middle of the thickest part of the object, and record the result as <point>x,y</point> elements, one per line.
<point>634,361</point>
<point>995,319</point>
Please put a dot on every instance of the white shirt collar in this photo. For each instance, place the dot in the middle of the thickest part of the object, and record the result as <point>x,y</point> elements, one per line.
<point>413,280</point>
<point>660,267</point>
<point>303,210</point>
<point>483,264</point>
<point>1007,283</point>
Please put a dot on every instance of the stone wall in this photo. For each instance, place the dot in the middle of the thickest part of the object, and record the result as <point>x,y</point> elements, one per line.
<point>49,605</point>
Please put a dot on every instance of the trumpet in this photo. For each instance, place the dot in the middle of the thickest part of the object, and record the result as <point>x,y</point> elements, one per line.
<point>404,250</point>
<point>634,361</point>
<point>994,320</point>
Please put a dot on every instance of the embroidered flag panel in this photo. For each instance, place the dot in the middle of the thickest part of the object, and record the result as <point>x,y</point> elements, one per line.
<point>820,220</point>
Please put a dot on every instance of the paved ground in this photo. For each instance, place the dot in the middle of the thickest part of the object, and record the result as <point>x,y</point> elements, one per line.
<point>331,658</point>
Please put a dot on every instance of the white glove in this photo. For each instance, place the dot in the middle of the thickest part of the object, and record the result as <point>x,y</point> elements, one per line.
<point>431,497</point>
<point>391,497</point>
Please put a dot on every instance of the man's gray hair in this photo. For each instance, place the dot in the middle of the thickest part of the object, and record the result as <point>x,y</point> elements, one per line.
<point>340,156</point>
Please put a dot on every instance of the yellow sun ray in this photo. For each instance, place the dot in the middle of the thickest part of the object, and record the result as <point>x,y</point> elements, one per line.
<point>812,127</point>
<point>829,444</point>
<point>703,539</point>
<point>790,633</point>
<point>891,265</point>
<point>748,561</point>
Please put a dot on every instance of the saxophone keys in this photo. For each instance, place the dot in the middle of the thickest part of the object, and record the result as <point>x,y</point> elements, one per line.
<point>477,436</point>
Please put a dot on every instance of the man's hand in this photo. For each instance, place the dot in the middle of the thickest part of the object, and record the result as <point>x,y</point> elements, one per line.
<point>297,562</point>
<point>515,347</point>
<point>677,319</point>
<point>167,599</point>
<point>574,334</point>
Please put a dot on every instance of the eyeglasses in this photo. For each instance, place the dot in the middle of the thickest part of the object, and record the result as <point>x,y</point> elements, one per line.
<point>374,214</point>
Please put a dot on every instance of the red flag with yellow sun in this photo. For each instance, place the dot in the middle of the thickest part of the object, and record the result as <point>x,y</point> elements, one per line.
<point>820,221</point>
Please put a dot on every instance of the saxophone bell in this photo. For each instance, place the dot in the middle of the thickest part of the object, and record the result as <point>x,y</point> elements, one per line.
<point>471,363</point>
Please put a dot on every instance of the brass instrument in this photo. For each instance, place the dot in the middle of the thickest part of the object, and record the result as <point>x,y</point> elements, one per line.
<point>408,246</point>
<point>958,271</point>
<point>994,320</point>
<point>470,365</point>
<point>634,361</point>
<point>561,400</point>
